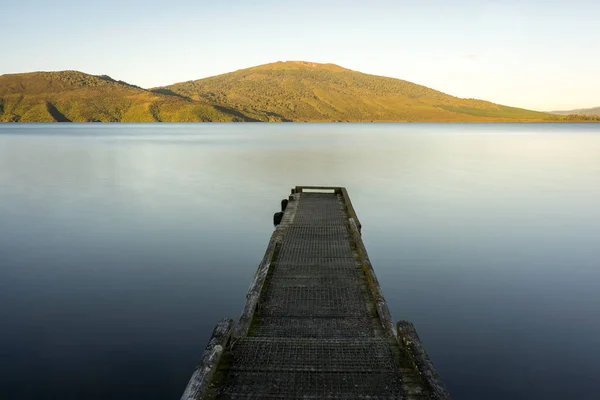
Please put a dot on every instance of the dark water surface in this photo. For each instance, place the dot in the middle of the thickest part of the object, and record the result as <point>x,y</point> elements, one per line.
<point>122,245</point>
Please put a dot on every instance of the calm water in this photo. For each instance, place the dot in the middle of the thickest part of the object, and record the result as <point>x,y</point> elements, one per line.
<point>121,246</point>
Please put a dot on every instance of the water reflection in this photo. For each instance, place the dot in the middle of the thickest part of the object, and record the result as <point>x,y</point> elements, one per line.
<point>122,245</point>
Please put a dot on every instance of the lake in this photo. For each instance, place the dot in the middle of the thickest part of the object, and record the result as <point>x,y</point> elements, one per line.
<point>122,245</point>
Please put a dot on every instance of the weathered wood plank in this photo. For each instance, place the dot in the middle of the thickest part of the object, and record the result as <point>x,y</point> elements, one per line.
<point>256,287</point>
<point>299,189</point>
<point>350,208</point>
<point>408,334</point>
<point>200,380</point>
<point>380,303</point>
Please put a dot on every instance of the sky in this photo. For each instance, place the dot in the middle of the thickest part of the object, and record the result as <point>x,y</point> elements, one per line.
<point>536,54</point>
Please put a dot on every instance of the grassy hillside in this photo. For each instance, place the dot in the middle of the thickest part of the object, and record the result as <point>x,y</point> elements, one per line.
<point>302,91</point>
<point>282,91</point>
<point>75,96</point>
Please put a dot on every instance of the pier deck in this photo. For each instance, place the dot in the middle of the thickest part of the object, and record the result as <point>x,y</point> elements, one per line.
<point>315,324</point>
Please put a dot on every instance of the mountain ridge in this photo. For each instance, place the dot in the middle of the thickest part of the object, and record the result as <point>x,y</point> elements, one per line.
<point>279,91</point>
<point>579,111</point>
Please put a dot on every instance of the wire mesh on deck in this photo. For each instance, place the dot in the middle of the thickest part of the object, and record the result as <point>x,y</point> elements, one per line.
<point>291,257</point>
<point>324,262</point>
<point>327,355</point>
<point>312,385</point>
<point>323,282</point>
<point>320,202</point>
<point>312,301</point>
<point>307,232</point>
<point>334,369</point>
<point>314,249</point>
<point>314,275</point>
<point>314,327</point>
<point>319,210</point>
<point>311,219</point>
<point>314,336</point>
<point>308,198</point>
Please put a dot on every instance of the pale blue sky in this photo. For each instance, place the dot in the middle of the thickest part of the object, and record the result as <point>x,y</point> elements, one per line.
<point>537,54</point>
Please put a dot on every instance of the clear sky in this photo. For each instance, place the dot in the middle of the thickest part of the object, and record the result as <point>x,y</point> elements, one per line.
<point>537,54</point>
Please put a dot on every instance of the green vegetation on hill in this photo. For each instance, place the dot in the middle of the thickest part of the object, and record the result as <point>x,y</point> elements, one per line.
<point>282,91</point>
<point>75,96</point>
<point>580,118</point>
<point>301,91</point>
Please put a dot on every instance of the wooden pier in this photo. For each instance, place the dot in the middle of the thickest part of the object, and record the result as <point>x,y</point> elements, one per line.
<point>315,324</point>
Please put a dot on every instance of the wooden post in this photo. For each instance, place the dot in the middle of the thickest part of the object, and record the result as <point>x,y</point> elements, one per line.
<point>200,380</point>
<point>408,334</point>
<point>277,217</point>
<point>350,208</point>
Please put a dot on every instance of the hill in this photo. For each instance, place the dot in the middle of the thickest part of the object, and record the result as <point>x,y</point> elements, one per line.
<point>581,111</point>
<point>75,96</point>
<point>303,91</point>
<point>281,91</point>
